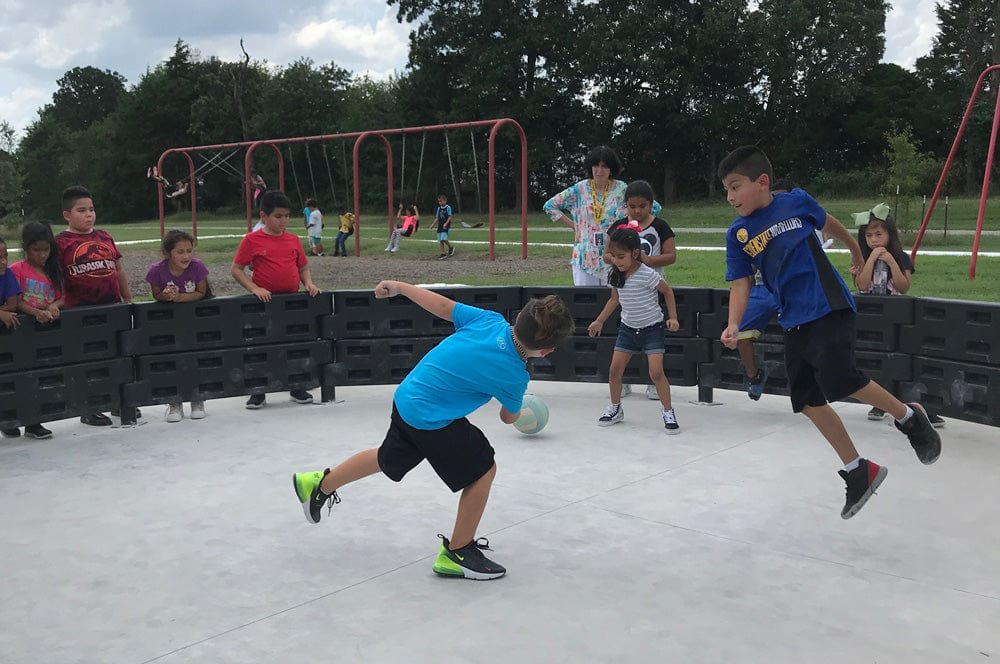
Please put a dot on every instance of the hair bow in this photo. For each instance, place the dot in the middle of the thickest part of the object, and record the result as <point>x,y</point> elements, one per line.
<point>634,225</point>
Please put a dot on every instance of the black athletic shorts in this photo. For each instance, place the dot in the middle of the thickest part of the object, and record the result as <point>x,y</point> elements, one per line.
<point>459,453</point>
<point>819,359</point>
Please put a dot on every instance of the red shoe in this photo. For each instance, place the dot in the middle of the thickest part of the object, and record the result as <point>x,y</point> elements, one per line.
<point>861,484</point>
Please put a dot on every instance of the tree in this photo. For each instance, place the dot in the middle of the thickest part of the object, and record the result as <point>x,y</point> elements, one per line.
<point>86,95</point>
<point>493,59</point>
<point>811,58</point>
<point>910,172</point>
<point>968,42</point>
<point>673,105</point>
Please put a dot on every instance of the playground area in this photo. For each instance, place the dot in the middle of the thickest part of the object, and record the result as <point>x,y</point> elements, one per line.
<point>184,542</point>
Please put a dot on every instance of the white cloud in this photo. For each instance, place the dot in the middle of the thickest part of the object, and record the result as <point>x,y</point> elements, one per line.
<point>910,28</point>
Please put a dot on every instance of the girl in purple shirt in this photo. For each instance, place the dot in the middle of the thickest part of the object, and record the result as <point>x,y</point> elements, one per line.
<point>179,277</point>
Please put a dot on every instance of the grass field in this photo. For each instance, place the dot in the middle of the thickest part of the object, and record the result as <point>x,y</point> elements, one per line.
<point>700,260</point>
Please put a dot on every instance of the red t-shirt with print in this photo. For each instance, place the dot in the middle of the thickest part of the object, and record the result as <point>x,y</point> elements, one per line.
<point>275,260</point>
<point>90,270</point>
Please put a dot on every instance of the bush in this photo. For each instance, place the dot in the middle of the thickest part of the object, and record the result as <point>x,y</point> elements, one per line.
<point>855,183</point>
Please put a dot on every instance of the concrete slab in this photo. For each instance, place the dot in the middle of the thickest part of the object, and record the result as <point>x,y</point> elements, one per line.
<point>184,542</point>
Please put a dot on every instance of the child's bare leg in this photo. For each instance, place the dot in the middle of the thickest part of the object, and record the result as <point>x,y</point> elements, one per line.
<point>619,361</point>
<point>745,349</point>
<point>830,425</point>
<point>659,380</point>
<point>471,506</point>
<point>875,395</point>
<point>356,467</point>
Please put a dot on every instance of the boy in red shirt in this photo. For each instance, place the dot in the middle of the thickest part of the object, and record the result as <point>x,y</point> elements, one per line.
<point>278,263</point>
<point>92,267</point>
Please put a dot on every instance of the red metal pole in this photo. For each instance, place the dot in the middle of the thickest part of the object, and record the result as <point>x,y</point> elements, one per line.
<point>357,185</point>
<point>986,188</point>
<point>159,189</point>
<point>497,124</point>
<point>951,157</point>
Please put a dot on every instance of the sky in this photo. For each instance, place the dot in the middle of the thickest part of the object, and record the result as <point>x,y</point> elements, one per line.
<point>42,39</point>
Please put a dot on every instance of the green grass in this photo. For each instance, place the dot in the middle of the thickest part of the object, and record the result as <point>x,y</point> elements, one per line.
<point>936,276</point>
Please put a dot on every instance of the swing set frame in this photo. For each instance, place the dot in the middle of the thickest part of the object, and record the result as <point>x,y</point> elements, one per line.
<point>359,138</point>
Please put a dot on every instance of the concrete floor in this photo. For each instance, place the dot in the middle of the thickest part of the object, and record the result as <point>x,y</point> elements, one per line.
<point>184,542</point>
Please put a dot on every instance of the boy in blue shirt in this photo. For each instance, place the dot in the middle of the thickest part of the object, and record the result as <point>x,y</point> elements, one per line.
<point>775,233</point>
<point>483,359</point>
<point>443,217</point>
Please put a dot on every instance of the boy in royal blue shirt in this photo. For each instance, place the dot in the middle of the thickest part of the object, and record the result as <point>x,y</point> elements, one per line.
<point>776,234</point>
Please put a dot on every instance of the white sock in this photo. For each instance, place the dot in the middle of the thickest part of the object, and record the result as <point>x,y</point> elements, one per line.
<point>905,418</point>
<point>852,465</point>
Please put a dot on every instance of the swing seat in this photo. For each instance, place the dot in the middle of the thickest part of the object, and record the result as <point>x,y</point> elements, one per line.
<point>468,225</point>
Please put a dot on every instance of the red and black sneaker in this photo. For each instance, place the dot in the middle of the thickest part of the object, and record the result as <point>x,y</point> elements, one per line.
<point>861,484</point>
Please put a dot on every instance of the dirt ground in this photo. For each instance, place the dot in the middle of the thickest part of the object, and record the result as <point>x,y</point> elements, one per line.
<point>339,273</point>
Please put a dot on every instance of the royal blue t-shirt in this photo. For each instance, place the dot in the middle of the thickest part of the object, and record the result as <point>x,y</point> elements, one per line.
<point>9,287</point>
<point>476,363</point>
<point>780,241</point>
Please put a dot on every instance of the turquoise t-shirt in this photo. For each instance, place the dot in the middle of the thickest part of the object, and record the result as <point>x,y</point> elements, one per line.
<point>476,363</point>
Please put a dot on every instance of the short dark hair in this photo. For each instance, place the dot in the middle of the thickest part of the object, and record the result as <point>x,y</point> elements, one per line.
<point>747,160</point>
<point>782,184</point>
<point>602,153</point>
<point>311,202</point>
<point>272,199</point>
<point>639,188</point>
<point>72,194</point>
<point>444,196</point>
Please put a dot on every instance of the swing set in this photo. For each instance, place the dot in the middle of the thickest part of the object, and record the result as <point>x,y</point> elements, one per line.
<point>986,175</point>
<point>359,138</point>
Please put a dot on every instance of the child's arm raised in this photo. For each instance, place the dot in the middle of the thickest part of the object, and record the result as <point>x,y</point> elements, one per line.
<point>668,294</point>
<point>739,295</point>
<point>594,328</point>
<point>435,303</point>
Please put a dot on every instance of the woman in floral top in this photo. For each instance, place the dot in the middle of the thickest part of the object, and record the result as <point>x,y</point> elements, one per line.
<point>589,207</point>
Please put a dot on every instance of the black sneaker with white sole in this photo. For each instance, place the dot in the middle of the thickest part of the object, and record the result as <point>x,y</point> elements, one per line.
<point>924,440</point>
<point>256,401</point>
<point>613,414</point>
<point>301,396</point>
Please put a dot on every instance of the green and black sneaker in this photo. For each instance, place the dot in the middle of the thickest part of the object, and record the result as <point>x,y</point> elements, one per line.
<point>467,562</point>
<point>309,494</point>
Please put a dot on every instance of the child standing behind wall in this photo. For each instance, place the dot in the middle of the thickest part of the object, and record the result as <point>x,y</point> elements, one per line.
<point>92,266</point>
<point>179,277</point>
<point>278,263</point>
<point>887,269</point>
<point>40,281</point>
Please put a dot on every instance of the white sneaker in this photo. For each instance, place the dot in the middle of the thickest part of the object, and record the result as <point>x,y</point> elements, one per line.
<point>651,393</point>
<point>626,389</point>
<point>670,421</point>
<point>175,412</point>
<point>395,249</point>
<point>613,414</point>
<point>197,410</point>
<point>388,247</point>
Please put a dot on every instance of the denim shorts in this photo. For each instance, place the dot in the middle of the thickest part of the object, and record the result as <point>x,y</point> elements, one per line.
<point>648,340</point>
<point>442,236</point>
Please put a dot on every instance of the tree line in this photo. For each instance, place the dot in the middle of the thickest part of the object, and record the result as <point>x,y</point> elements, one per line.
<point>672,86</point>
